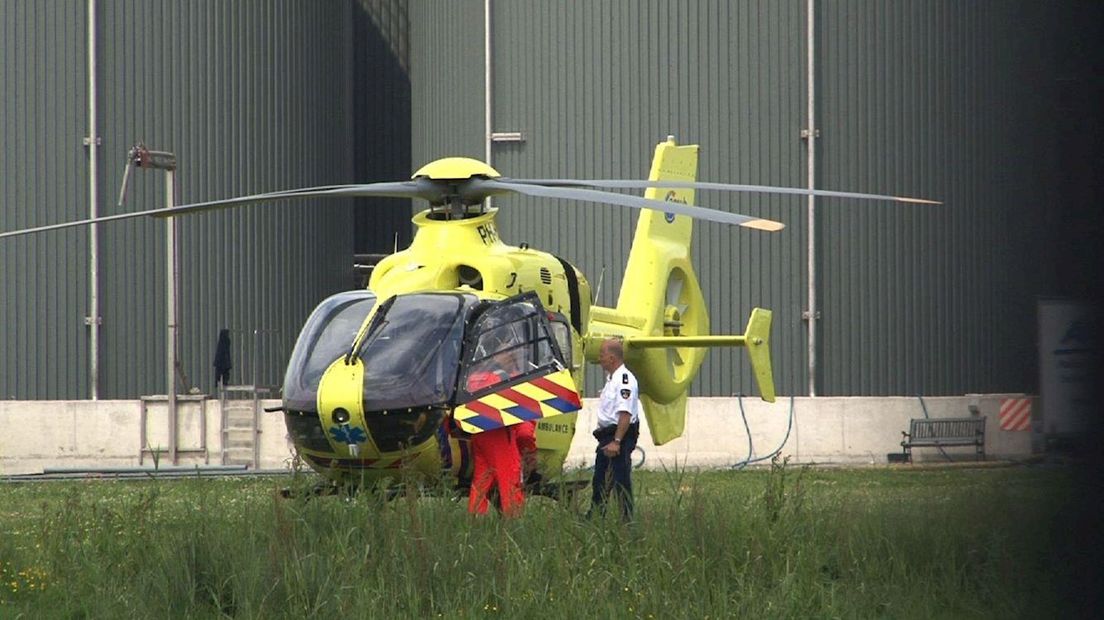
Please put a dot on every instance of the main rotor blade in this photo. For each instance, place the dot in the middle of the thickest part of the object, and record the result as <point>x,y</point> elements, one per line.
<point>401,189</point>
<point>398,189</point>
<point>74,223</point>
<point>729,187</point>
<point>636,202</point>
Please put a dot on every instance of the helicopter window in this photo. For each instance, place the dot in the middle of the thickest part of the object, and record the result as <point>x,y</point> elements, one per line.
<point>306,429</point>
<point>562,333</point>
<point>396,430</point>
<point>326,336</point>
<point>412,351</point>
<point>509,341</point>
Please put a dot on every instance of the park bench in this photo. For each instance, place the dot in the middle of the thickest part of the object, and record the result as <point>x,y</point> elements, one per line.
<point>945,432</point>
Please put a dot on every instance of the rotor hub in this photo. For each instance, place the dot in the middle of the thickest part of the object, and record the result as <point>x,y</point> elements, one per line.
<point>456,169</point>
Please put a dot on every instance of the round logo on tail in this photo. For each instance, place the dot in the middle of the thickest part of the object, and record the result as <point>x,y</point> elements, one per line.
<point>670,197</point>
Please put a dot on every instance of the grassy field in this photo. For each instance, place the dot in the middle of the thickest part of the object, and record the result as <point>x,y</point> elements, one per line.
<point>778,543</point>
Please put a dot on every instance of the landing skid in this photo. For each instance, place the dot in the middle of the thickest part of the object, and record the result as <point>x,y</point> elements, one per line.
<point>324,488</point>
<point>562,490</point>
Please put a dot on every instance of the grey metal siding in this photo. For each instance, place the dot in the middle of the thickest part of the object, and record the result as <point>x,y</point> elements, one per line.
<point>43,180</point>
<point>446,80</point>
<point>977,104</point>
<point>944,100</point>
<point>937,99</point>
<point>380,65</point>
<point>251,97</point>
<point>593,88</point>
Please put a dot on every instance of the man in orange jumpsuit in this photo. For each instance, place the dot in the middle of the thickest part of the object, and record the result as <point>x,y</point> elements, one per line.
<point>497,452</point>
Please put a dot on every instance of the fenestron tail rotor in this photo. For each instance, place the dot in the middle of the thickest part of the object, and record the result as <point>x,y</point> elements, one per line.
<point>675,308</point>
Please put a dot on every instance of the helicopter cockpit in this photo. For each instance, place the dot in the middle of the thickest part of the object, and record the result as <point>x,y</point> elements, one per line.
<point>326,336</point>
<point>511,339</point>
<point>419,354</point>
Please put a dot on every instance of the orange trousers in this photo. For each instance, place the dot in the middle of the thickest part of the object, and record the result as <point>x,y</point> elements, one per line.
<point>497,467</point>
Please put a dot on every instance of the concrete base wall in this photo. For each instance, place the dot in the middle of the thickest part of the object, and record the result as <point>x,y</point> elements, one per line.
<point>843,430</point>
<point>86,434</point>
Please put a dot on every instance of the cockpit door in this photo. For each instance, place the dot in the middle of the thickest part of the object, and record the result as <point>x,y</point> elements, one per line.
<point>513,370</point>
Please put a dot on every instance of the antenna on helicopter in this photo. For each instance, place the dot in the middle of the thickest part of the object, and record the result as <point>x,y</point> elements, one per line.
<point>598,289</point>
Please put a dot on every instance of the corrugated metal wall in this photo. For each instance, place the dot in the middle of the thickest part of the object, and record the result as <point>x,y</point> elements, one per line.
<point>939,99</point>
<point>43,179</point>
<point>446,80</point>
<point>381,119</point>
<point>251,96</point>
<point>943,99</point>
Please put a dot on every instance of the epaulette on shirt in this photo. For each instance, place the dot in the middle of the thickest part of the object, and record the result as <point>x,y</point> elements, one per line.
<point>624,377</point>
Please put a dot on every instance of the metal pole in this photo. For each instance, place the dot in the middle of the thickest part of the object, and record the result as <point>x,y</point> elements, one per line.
<point>487,119</point>
<point>92,142</point>
<point>811,224</point>
<point>170,311</point>
<point>256,404</point>
<point>487,79</point>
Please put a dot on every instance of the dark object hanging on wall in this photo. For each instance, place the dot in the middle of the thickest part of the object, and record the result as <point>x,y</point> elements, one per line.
<point>222,362</point>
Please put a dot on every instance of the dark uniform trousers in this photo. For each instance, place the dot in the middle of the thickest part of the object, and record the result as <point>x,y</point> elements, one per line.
<point>614,473</point>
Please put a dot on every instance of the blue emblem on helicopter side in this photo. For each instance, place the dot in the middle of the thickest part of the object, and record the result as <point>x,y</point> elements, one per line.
<point>671,197</point>
<point>348,435</point>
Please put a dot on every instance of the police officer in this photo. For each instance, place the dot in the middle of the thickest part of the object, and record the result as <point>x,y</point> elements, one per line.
<point>617,432</point>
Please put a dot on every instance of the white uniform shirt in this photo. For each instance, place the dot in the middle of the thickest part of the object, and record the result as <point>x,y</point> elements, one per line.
<point>621,393</point>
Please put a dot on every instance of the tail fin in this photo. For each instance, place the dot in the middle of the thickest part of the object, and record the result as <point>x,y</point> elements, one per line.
<point>661,301</point>
<point>660,296</point>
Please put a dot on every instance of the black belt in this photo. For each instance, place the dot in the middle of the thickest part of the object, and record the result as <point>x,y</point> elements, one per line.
<point>607,433</point>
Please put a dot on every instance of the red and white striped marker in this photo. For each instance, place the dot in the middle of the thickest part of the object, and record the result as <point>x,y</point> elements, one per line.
<point>1015,414</point>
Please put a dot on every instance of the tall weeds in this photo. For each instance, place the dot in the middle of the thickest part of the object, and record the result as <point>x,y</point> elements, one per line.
<point>778,542</point>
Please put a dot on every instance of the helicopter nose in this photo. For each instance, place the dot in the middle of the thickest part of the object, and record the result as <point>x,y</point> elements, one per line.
<point>340,393</point>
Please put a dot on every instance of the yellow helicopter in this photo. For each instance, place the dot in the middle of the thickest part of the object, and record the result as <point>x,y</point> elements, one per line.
<point>381,397</point>
<point>378,384</point>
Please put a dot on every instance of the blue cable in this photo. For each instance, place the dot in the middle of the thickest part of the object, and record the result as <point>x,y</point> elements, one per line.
<point>749,460</point>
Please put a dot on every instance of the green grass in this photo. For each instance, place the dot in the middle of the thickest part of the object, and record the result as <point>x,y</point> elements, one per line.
<point>779,543</point>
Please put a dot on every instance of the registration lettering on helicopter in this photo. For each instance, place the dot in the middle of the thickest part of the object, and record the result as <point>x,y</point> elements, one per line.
<point>487,233</point>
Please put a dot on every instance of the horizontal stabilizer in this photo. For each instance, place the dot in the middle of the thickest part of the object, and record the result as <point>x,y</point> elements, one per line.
<point>756,338</point>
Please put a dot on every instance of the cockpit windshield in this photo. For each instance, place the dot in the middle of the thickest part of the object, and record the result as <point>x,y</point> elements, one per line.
<point>327,335</point>
<point>412,350</point>
<point>510,340</point>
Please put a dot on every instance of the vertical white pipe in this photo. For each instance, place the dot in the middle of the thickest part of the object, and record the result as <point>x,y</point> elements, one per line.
<point>170,311</point>
<point>487,80</point>
<point>811,142</point>
<point>487,120</point>
<point>93,212</point>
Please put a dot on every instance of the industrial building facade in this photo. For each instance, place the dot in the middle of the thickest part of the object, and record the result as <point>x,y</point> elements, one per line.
<point>988,107</point>
<point>250,97</point>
